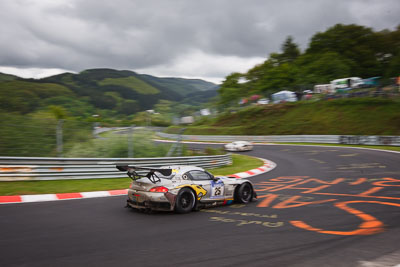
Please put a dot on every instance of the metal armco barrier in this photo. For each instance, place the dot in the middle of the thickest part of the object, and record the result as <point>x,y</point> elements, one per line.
<point>29,168</point>
<point>328,139</point>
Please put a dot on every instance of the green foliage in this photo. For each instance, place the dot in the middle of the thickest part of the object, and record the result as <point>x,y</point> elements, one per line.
<point>230,90</point>
<point>290,51</point>
<point>110,93</point>
<point>214,151</point>
<point>179,86</point>
<point>131,82</point>
<point>58,112</point>
<point>321,68</point>
<point>341,51</point>
<point>353,116</point>
<point>34,135</point>
<point>7,77</point>
<point>115,145</point>
<point>25,97</point>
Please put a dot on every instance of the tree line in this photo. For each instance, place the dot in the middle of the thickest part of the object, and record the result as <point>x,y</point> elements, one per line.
<point>341,51</point>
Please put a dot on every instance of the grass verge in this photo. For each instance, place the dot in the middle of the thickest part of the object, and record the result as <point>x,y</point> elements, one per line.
<point>240,163</point>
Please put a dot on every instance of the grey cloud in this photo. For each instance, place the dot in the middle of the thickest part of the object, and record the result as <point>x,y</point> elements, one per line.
<point>134,34</point>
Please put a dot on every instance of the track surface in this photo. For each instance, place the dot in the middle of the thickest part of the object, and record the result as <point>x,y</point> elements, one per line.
<point>305,216</point>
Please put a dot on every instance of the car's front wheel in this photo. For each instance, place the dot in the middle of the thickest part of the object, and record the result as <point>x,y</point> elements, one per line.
<point>244,193</point>
<point>185,201</point>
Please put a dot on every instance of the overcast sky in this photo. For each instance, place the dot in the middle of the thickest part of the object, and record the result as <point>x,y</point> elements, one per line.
<point>206,39</point>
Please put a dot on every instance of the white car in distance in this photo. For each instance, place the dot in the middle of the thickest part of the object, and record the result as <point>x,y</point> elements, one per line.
<point>239,146</point>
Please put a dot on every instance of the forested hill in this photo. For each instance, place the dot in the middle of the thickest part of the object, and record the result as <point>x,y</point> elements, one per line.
<point>124,92</point>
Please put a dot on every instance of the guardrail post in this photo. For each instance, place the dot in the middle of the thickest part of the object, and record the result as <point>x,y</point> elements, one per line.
<point>130,142</point>
<point>59,137</point>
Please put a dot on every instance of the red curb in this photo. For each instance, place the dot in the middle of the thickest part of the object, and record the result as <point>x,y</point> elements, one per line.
<point>10,199</point>
<point>118,192</point>
<point>68,195</point>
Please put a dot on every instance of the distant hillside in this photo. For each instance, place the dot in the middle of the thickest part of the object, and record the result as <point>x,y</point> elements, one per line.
<point>124,92</point>
<point>354,116</point>
<point>179,85</point>
<point>7,77</point>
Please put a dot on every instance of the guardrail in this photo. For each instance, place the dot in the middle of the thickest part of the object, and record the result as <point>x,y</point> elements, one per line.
<point>329,139</point>
<point>29,168</point>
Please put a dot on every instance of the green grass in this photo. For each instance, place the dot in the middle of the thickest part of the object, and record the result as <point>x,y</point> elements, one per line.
<point>240,163</point>
<point>353,116</point>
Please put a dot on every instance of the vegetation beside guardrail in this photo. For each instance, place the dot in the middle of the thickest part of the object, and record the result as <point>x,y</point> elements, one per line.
<point>24,168</point>
<point>347,116</point>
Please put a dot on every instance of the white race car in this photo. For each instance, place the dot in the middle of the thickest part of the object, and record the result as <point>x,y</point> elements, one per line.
<point>183,188</point>
<point>239,146</point>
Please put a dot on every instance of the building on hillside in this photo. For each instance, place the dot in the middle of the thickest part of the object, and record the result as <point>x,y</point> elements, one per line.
<point>324,89</point>
<point>284,96</point>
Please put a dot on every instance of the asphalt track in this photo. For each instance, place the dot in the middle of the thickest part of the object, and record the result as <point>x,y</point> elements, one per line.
<point>321,206</point>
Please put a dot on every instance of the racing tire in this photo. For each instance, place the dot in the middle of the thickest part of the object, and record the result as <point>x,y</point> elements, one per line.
<point>185,201</point>
<point>244,193</point>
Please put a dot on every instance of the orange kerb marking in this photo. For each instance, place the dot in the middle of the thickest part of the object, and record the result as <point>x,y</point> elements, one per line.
<point>387,180</point>
<point>370,224</point>
<point>312,189</point>
<point>370,191</point>
<point>268,199</point>
<point>267,188</point>
<point>360,195</point>
<point>359,181</point>
<point>292,203</point>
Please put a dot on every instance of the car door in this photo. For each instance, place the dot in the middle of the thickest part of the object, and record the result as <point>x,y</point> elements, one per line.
<point>215,189</point>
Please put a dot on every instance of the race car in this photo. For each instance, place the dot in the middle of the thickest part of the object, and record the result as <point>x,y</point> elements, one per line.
<point>183,188</point>
<point>239,146</point>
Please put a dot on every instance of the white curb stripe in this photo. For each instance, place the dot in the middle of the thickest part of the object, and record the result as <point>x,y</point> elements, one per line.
<point>95,194</point>
<point>38,198</point>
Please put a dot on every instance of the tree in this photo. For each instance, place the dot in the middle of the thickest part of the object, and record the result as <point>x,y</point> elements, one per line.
<point>290,51</point>
<point>352,42</point>
<point>58,112</point>
<point>128,107</point>
<point>230,90</point>
<point>321,68</point>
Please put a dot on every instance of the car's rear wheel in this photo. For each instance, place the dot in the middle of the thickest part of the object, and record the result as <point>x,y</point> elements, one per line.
<point>243,193</point>
<point>185,201</point>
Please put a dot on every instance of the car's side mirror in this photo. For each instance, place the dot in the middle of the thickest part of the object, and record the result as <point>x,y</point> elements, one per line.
<point>214,178</point>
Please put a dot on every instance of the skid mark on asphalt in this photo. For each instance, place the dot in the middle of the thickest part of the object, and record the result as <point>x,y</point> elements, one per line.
<point>318,161</point>
<point>349,155</point>
<point>361,166</point>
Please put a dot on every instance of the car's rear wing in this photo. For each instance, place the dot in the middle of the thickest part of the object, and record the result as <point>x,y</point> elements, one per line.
<point>131,171</point>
